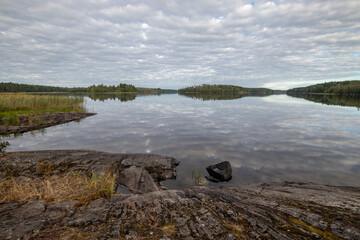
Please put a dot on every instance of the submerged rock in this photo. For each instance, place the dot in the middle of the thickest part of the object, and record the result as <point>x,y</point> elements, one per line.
<point>221,171</point>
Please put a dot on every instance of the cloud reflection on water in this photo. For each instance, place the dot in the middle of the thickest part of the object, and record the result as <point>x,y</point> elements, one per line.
<point>265,139</point>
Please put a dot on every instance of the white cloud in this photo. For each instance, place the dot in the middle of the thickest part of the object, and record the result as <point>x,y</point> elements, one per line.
<point>172,44</point>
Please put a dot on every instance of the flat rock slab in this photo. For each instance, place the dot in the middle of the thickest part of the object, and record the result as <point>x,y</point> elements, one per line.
<point>262,211</point>
<point>30,122</point>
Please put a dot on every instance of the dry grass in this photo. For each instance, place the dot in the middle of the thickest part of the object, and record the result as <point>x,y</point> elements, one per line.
<point>54,189</point>
<point>237,230</point>
<point>64,233</point>
<point>12,104</point>
<point>169,229</point>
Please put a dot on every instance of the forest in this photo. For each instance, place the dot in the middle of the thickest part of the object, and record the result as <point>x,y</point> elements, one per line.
<point>345,88</point>
<point>121,88</point>
<point>16,87</point>
<point>224,89</point>
<point>154,91</point>
<point>214,89</point>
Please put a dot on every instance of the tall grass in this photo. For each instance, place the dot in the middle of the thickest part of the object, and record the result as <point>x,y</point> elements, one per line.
<point>12,104</point>
<point>54,189</point>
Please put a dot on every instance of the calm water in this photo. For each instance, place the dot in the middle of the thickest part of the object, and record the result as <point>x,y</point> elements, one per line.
<point>266,139</point>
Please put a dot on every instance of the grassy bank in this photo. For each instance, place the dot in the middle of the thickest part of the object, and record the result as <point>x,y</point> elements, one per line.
<point>12,104</point>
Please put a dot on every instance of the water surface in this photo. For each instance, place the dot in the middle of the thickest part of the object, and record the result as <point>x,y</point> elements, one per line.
<point>266,139</point>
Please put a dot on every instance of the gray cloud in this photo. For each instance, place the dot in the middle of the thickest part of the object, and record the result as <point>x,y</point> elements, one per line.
<point>171,44</point>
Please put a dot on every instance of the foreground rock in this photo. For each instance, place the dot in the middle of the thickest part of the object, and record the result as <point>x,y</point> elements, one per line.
<point>30,122</point>
<point>263,211</point>
<point>138,172</point>
<point>220,172</point>
<point>271,211</point>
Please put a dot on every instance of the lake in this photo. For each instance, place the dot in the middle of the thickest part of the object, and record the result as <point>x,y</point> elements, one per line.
<point>266,139</point>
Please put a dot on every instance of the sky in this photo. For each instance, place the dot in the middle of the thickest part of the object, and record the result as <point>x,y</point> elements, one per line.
<point>172,44</point>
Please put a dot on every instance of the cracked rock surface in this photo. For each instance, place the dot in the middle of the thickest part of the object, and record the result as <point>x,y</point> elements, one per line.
<point>286,210</point>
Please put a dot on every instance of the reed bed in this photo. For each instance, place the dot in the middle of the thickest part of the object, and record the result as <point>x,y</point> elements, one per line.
<point>12,104</point>
<point>55,189</point>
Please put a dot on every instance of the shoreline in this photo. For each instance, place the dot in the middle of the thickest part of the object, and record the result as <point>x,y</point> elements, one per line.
<point>284,210</point>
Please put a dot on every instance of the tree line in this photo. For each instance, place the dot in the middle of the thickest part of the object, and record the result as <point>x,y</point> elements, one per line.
<point>214,89</point>
<point>16,87</point>
<point>121,88</point>
<point>345,88</point>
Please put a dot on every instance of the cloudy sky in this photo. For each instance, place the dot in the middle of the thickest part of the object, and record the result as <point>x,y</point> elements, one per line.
<point>172,44</point>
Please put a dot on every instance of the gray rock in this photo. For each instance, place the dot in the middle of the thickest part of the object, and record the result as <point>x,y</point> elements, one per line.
<point>131,235</point>
<point>58,211</point>
<point>221,171</point>
<point>33,209</point>
<point>137,179</point>
<point>164,237</point>
<point>180,221</point>
<point>184,231</point>
<point>159,167</point>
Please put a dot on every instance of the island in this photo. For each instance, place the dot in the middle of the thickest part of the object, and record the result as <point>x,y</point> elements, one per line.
<point>222,92</point>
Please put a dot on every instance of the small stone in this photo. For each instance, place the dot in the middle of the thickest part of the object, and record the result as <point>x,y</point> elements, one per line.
<point>202,211</point>
<point>230,212</point>
<point>189,238</point>
<point>184,231</point>
<point>131,235</point>
<point>164,237</point>
<point>180,222</point>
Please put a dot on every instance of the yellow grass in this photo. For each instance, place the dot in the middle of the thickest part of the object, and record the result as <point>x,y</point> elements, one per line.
<point>54,189</point>
<point>168,229</point>
<point>19,103</point>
